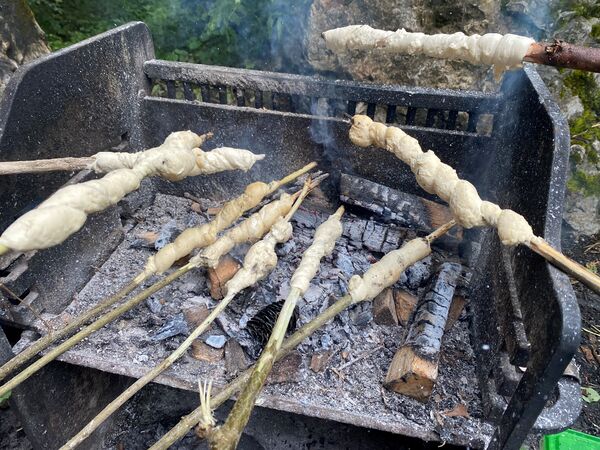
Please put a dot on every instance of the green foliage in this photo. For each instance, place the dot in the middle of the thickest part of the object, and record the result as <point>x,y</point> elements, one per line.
<point>4,398</point>
<point>587,184</point>
<point>584,86</point>
<point>590,395</point>
<point>242,33</point>
<point>583,8</point>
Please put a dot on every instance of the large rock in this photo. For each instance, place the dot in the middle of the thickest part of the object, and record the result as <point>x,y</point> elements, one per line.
<point>21,38</point>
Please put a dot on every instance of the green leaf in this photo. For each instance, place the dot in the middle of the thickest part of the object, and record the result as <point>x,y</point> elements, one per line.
<point>5,397</point>
<point>590,395</point>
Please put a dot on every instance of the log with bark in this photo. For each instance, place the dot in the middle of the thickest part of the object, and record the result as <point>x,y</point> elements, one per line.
<point>414,368</point>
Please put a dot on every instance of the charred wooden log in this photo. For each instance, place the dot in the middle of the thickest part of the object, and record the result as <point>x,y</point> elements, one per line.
<point>414,369</point>
<point>406,210</point>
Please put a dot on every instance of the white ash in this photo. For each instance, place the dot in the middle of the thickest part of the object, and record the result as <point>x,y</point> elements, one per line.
<point>126,345</point>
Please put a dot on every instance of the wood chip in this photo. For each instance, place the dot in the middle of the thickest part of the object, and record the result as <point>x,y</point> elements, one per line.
<point>459,410</point>
<point>319,361</point>
<point>213,211</point>
<point>203,352</point>
<point>384,309</point>
<point>235,357</point>
<point>287,370</point>
<point>456,309</point>
<point>195,315</point>
<point>149,237</point>
<point>219,276</point>
<point>588,354</point>
<point>405,304</point>
<point>196,207</point>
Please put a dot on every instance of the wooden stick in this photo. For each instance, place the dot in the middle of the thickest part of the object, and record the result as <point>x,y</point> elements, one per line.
<point>68,164</point>
<point>85,317</point>
<point>94,326</point>
<point>562,54</point>
<point>109,317</point>
<point>288,345</point>
<point>567,265</point>
<point>166,363</point>
<point>228,436</point>
<point>414,368</point>
<point>54,335</point>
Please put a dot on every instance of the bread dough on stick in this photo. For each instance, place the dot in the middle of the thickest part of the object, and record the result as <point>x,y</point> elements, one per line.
<point>250,230</point>
<point>65,211</point>
<point>323,243</point>
<point>440,179</point>
<point>206,234</point>
<point>176,158</point>
<point>504,52</point>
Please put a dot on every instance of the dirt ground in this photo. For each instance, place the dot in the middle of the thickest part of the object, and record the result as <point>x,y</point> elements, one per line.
<point>586,250</point>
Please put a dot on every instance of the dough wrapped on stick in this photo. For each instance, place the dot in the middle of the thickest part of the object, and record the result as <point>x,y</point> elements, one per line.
<point>65,211</point>
<point>382,274</point>
<point>504,52</point>
<point>184,244</point>
<point>470,211</point>
<point>227,436</point>
<point>253,228</point>
<point>260,260</point>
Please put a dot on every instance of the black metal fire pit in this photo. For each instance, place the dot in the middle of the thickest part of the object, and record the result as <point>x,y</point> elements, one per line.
<point>109,92</point>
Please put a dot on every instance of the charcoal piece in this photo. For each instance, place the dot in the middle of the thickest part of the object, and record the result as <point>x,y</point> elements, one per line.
<point>416,275</point>
<point>154,305</point>
<point>344,263</point>
<point>166,234</point>
<point>261,325</point>
<point>177,325</point>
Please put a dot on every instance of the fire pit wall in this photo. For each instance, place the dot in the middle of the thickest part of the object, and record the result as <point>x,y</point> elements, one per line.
<point>108,92</point>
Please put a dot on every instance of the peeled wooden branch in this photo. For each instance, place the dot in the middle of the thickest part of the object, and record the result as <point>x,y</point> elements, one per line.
<point>102,162</point>
<point>227,436</point>
<point>260,223</point>
<point>185,243</point>
<point>470,211</point>
<point>65,211</point>
<point>260,260</point>
<point>378,274</point>
<point>504,52</point>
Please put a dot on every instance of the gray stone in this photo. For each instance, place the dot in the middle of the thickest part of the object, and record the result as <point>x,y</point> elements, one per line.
<point>216,340</point>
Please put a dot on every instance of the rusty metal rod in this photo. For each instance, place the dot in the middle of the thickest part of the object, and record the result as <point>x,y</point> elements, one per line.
<point>563,54</point>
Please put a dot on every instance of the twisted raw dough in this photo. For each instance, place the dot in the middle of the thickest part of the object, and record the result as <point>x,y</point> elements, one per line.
<point>250,230</point>
<point>177,158</point>
<point>261,258</point>
<point>323,243</point>
<point>387,270</point>
<point>504,52</point>
<point>206,234</point>
<point>65,211</point>
<point>438,178</point>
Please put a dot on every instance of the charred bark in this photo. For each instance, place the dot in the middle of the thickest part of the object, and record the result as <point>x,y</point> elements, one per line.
<point>414,369</point>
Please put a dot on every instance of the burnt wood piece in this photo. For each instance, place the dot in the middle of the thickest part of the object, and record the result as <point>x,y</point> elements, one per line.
<point>384,309</point>
<point>414,368</point>
<point>562,54</point>
<point>405,305</point>
<point>407,210</point>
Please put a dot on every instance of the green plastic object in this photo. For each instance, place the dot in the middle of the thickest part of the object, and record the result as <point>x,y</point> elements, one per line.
<point>570,440</point>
